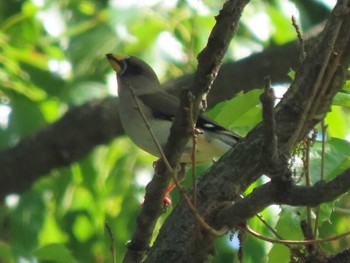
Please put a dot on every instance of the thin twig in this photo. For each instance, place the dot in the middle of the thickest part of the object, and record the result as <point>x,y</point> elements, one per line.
<point>260,217</point>
<point>232,173</point>
<point>293,242</point>
<point>111,237</point>
<point>317,89</point>
<point>323,129</point>
<point>176,181</point>
<point>307,177</point>
<point>317,219</point>
<point>300,38</point>
<point>136,254</point>
<point>194,149</point>
<point>198,216</point>
<point>160,149</point>
<point>172,173</point>
<point>196,213</point>
<point>183,193</point>
<point>341,210</point>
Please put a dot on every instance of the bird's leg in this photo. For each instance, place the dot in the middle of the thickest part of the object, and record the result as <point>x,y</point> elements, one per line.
<point>180,176</point>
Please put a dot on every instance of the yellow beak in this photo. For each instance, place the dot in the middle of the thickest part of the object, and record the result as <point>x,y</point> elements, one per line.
<point>116,61</point>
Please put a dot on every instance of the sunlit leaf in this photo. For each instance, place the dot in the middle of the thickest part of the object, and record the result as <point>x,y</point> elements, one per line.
<point>337,122</point>
<point>337,159</point>
<point>288,227</point>
<point>57,253</point>
<point>243,111</point>
<point>291,74</point>
<point>347,86</point>
<point>41,73</point>
<point>83,228</point>
<point>284,30</point>
<point>342,99</point>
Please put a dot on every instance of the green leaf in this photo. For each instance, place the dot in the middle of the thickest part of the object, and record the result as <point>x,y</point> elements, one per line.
<point>243,110</point>
<point>83,229</point>
<point>342,99</point>
<point>26,116</point>
<point>325,212</point>
<point>30,57</point>
<point>278,253</point>
<point>291,74</point>
<point>347,86</point>
<point>337,122</point>
<point>283,30</point>
<point>88,60</point>
<point>288,227</point>
<point>337,152</point>
<point>50,109</point>
<point>57,253</point>
<point>26,220</point>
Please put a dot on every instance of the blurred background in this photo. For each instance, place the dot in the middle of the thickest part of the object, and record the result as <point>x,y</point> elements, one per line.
<point>52,57</point>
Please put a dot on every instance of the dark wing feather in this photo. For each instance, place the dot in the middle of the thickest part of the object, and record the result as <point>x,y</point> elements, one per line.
<point>166,108</point>
<point>204,123</point>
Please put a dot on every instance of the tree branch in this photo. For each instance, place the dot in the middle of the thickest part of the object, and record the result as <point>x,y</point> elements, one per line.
<point>179,239</point>
<point>84,127</point>
<point>209,62</point>
<point>59,144</point>
<point>282,193</point>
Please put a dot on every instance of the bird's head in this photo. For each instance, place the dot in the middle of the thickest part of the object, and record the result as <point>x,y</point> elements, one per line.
<point>132,69</point>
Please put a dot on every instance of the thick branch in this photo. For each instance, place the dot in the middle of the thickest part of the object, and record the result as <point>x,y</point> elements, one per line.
<point>279,192</point>
<point>179,238</point>
<point>209,62</point>
<point>59,144</point>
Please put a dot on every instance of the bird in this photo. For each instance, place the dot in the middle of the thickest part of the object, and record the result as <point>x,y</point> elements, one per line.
<point>142,97</point>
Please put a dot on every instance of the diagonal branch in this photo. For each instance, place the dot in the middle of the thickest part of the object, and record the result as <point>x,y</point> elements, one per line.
<point>209,63</point>
<point>179,239</point>
<point>278,192</point>
<point>59,144</point>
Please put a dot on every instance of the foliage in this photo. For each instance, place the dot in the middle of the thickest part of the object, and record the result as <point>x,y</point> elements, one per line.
<point>52,58</point>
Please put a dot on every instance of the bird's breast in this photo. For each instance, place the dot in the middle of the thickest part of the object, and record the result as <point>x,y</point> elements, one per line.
<point>139,124</point>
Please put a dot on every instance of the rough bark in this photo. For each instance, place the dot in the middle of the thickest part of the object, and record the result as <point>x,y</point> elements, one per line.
<point>321,75</point>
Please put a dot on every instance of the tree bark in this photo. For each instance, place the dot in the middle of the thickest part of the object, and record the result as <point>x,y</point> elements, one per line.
<point>321,75</point>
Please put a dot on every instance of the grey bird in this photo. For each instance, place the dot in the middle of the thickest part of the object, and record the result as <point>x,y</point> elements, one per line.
<point>138,86</point>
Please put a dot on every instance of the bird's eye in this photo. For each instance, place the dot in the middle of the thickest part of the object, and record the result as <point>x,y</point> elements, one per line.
<point>135,69</point>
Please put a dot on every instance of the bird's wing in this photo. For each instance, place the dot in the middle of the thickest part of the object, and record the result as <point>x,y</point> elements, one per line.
<point>166,108</point>
<point>163,104</point>
<point>206,124</point>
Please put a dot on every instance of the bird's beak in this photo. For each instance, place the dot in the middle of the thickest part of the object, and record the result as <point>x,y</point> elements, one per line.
<point>117,62</point>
